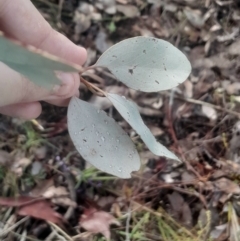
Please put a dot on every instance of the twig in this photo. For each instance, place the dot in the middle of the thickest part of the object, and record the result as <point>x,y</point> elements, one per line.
<point>72,193</point>
<point>103,71</point>
<point>6,231</point>
<point>155,213</point>
<point>93,88</point>
<point>195,193</point>
<point>60,231</point>
<point>170,121</point>
<point>128,223</point>
<point>173,134</point>
<point>27,238</point>
<point>89,67</point>
<point>214,139</point>
<point>99,69</point>
<point>23,235</point>
<point>51,235</point>
<point>82,236</point>
<point>55,233</point>
<point>94,76</point>
<point>199,102</point>
<point>59,14</point>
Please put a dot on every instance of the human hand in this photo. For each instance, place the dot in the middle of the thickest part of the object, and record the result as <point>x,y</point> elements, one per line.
<point>21,21</point>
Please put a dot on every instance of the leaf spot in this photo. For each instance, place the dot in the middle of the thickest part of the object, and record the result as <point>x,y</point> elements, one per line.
<point>93,152</point>
<point>164,67</point>
<point>130,71</point>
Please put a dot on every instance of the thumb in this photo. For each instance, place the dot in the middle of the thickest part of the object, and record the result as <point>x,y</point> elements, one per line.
<point>15,88</point>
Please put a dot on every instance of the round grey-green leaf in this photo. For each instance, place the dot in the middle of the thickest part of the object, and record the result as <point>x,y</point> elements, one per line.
<point>100,140</point>
<point>130,113</point>
<point>147,64</point>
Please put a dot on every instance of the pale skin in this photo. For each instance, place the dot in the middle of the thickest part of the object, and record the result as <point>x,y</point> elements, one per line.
<point>19,97</point>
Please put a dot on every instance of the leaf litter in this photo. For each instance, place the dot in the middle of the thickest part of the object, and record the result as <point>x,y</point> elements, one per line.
<point>98,222</point>
<point>200,195</point>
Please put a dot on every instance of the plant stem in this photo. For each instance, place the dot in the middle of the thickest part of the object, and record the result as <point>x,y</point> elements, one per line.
<point>94,89</point>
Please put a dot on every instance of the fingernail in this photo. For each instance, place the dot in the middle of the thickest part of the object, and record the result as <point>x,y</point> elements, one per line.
<point>66,80</point>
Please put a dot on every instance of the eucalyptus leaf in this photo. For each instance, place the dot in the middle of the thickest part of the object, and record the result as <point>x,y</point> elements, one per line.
<point>100,140</point>
<point>130,113</point>
<point>38,66</point>
<point>147,64</point>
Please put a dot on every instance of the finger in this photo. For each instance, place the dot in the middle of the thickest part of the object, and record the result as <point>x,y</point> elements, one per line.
<point>36,31</point>
<point>17,89</point>
<point>25,111</point>
<point>62,102</point>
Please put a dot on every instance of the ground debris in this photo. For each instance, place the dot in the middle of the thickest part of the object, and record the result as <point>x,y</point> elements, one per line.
<point>37,208</point>
<point>197,199</point>
<point>98,221</point>
<point>180,209</point>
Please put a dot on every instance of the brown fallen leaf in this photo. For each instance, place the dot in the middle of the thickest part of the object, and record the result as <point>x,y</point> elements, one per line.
<point>97,221</point>
<point>59,195</point>
<point>17,201</point>
<point>226,185</point>
<point>129,11</point>
<point>34,207</point>
<point>180,209</point>
<point>41,187</point>
<point>194,17</point>
<point>41,210</point>
<point>108,6</point>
